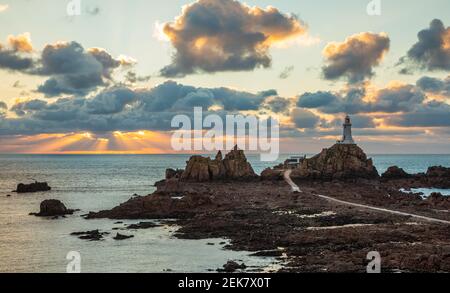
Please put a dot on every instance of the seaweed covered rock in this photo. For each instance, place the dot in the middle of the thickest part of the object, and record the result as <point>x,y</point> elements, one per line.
<point>341,161</point>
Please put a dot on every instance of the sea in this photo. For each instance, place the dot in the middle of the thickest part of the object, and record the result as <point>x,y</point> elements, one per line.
<point>98,182</point>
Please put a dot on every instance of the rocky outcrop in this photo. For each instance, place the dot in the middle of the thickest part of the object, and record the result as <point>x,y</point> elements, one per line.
<point>234,166</point>
<point>438,200</point>
<point>272,174</point>
<point>173,174</point>
<point>395,172</point>
<point>338,162</point>
<point>33,187</point>
<point>438,171</point>
<point>53,208</point>
<point>157,206</point>
<point>437,177</point>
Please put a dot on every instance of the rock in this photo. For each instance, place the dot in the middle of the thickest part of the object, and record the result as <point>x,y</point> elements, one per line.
<point>94,235</point>
<point>272,174</point>
<point>395,172</point>
<point>171,173</point>
<point>156,206</point>
<point>438,171</point>
<point>438,200</point>
<point>122,237</point>
<point>234,166</point>
<point>33,187</point>
<point>142,225</point>
<point>232,266</point>
<point>52,208</point>
<point>338,162</point>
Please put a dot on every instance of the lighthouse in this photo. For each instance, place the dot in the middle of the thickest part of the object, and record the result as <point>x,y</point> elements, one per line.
<point>347,137</point>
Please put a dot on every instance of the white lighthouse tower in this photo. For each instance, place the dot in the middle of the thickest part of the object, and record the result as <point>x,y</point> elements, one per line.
<point>347,138</point>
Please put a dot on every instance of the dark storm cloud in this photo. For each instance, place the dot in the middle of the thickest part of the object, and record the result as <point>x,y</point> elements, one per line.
<point>304,118</point>
<point>316,100</point>
<point>12,60</point>
<point>14,55</point>
<point>213,36</point>
<point>432,114</point>
<point>111,101</point>
<point>432,51</point>
<point>435,85</point>
<point>22,108</point>
<point>278,104</point>
<point>73,70</point>
<point>124,109</point>
<point>402,98</point>
<point>355,58</point>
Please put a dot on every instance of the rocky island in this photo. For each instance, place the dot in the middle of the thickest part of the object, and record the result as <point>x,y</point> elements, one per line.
<point>345,211</point>
<point>326,213</point>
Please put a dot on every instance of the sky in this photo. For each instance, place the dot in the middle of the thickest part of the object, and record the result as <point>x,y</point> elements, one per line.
<point>110,79</point>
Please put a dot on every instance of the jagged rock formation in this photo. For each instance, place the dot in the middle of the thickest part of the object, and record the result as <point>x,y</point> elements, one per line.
<point>234,166</point>
<point>338,162</point>
<point>395,172</point>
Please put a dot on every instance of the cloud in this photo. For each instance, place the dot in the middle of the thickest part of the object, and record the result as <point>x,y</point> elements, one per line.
<point>13,56</point>
<point>435,85</point>
<point>26,107</point>
<point>213,36</point>
<point>132,77</point>
<point>286,72</point>
<point>21,43</point>
<point>74,70</point>
<point>355,58</point>
<point>432,114</point>
<point>432,51</point>
<point>121,108</point>
<point>278,104</point>
<point>393,99</point>
<point>304,119</point>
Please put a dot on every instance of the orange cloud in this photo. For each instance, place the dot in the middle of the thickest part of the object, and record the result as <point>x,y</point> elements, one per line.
<point>21,43</point>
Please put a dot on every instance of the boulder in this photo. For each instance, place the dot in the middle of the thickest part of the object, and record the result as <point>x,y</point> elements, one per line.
<point>94,235</point>
<point>395,172</point>
<point>272,174</point>
<point>33,187</point>
<point>232,266</point>
<point>122,237</point>
<point>52,208</point>
<point>338,162</point>
<point>171,173</point>
<point>438,171</point>
<point>234,166</point>
<point>438,200</point>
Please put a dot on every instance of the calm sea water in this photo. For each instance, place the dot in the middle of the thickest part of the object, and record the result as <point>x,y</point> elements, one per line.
<point>92,183</point>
